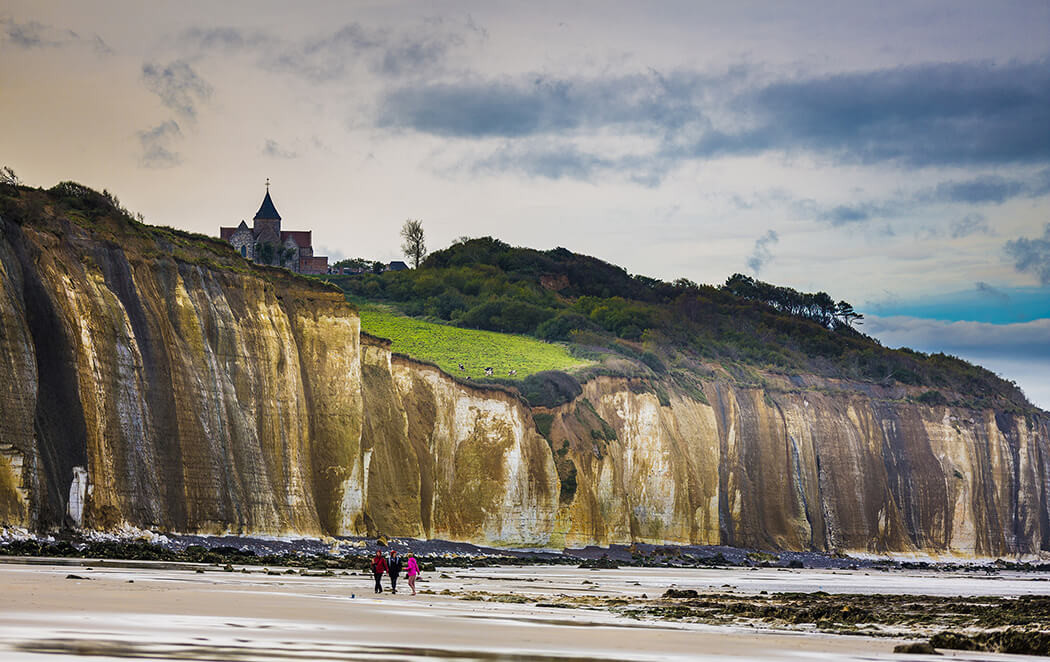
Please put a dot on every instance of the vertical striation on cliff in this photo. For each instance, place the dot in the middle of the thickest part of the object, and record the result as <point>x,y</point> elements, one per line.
<point>179,387</point>
<point>156,380</point>
<point>825,469</point>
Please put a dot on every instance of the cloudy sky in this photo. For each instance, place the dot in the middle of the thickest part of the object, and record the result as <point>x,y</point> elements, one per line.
<point>893,154</point>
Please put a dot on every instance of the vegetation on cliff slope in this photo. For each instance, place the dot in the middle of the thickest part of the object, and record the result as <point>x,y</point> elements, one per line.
<point>667,330</point>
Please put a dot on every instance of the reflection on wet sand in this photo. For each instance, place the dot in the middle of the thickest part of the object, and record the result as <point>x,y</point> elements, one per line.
<point>257,653</point>
<point>199,612</point>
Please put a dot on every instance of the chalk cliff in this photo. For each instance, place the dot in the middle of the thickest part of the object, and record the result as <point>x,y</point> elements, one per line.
<point>831,466</point>
<point>156,380</point>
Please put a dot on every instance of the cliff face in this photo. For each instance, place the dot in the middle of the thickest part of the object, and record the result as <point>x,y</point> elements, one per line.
<point>148,387</point>
<point>176,389</point>
<point>824,468</point>
<point>443,460</point>
<point>146,390</point>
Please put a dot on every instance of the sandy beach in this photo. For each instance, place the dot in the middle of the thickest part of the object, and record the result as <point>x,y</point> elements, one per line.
<point>121,610</point>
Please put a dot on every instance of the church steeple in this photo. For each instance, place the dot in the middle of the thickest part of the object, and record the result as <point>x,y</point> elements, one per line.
<point>267,211</point>
<point>267,243</point>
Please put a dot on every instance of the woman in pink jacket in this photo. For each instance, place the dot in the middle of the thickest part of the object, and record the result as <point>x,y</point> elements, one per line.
<point>412,569</point>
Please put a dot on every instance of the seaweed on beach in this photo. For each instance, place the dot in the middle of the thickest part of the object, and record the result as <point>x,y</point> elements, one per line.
<point>848,612</point>
<point>1019,625</point>
<point>1017,641</point>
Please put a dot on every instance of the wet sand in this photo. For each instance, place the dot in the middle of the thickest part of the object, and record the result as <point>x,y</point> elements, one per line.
<point>165,613</point>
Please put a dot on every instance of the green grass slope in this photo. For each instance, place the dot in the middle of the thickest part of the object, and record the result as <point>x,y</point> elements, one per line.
<point>448,347</point>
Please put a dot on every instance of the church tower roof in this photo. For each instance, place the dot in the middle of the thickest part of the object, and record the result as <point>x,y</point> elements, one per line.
<point>267,211</point>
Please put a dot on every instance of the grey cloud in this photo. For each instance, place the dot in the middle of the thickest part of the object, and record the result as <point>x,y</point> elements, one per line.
<point>992,292</point>
<point>844,214</point>
<point>479,30</point>
<point>324,58</point>
<point>156,146</point>
<point>773,197</point>
<point>983,189</point>
<point>1032,255</point>
<point>273,149</point>
<point>332,56</point>
<point>1028,339</point>
<point>220,38</point>
<point>403,57</point>
<point>33,34</point>
<point>970,224</point>
<point>100,46</point>
<point>928,115</point>
<point>993,189</point>
<point>762,252</point>
<point>858,213</point>
<point>990,188</point>
<point>544,106</point>
<point>557,161</point>
<point>178,86</point>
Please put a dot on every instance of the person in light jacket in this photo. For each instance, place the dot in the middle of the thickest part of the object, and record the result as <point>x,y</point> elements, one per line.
<point>411,570</point>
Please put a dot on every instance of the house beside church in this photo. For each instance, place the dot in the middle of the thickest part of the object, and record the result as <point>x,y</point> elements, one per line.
<point>266,243</point>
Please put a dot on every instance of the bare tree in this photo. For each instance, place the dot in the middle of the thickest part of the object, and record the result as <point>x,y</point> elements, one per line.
<point>8,176</point>
<point>415,247</point>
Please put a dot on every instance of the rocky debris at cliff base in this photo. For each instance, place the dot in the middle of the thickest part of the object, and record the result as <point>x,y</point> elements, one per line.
<point>352,553</point>
<point>133,544</point>
<point>654,555</point>
<point>603,563</point>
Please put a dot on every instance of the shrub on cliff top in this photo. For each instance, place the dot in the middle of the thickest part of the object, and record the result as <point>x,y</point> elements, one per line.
<point>550,388</point>
<point>933,398</point>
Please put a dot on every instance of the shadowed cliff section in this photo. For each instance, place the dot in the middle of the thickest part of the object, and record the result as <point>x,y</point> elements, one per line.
<point>57,419</point>
<point>197,392</point>
<point>164,382</point>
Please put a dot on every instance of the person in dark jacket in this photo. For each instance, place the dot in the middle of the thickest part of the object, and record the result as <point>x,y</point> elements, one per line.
<point>378,568</point>
<point>393,566</point>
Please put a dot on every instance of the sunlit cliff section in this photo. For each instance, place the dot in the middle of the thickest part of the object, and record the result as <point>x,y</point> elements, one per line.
<point>827,469</point>
<point>154,379</point>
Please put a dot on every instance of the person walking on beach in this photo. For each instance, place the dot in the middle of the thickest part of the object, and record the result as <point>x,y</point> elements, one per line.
<point>378,568</point>
<point>393,566</point>
<point>411,570</point>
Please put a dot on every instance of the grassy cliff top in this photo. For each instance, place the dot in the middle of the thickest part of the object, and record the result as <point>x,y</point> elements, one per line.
<point>450,347</point>
<point>646,327</point>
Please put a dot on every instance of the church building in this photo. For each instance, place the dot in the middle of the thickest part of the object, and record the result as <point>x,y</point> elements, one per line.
<point>266,243</point>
